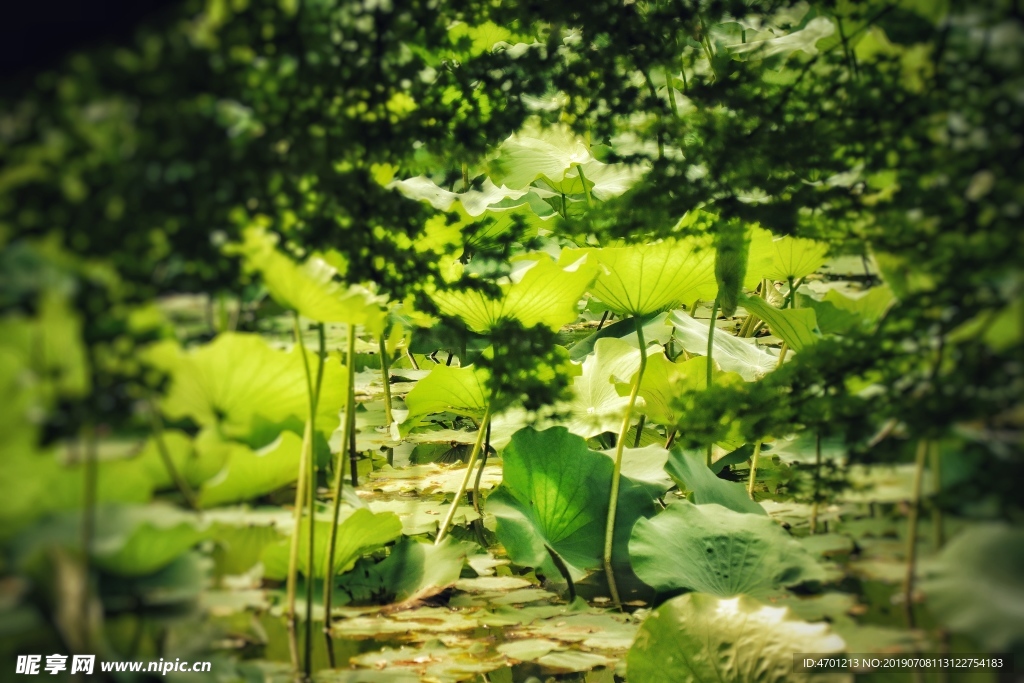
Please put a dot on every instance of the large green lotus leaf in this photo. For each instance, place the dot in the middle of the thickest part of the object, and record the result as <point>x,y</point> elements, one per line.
<point>731,353</point>
<point>238,381</point>
<point>555,492</point>
<point>784,257</point>
<point>603,181</point>
<point>414,570</point>
<point>976,586</point>
<point>359,533</point>
<point>712,549</point>
<point>249,474</point>
<point>473,202</point>
<point>690,471</point>
<point>537,152</point>
<point>597,406</point>
<point>645,467</point>
<point>462,391</point>
<point>664,381</point>
<point>310,288</point>
<point>798,327</point>
<point>697,638</point>
<point>641,279</point>
<point>545,294</point>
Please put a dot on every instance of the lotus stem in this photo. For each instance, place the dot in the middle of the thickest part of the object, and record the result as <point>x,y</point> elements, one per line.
<point>915,508</point>
<point>477,445</point>
<point>583,180</point>
<point>339,483</point>
<point>711,367</point>
<point>480,471</point>
<point>620,443</point>
<point>180,482</point>
<point>88,530</point>
<point>385,370</point>
<point>308,456</point>
<point>938,524</point>
<point>639,431</point>
<point>753,469</point>
<point>817,476</point>
<point>293,561</point>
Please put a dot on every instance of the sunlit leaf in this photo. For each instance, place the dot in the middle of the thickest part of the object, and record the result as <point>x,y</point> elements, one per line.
<point>597,406</point>
<point>310,288</point>
<point>696,638</point>
<point>798,327</point>
<point>731,353</point>
<point>462,391</point>
<point>784,257</point>
<point>239,380</point>
<point>544,294</point>
<point>649,278</point>
<point>537,152</point>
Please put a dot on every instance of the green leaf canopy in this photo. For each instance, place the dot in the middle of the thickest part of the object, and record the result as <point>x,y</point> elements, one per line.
<point>555,493</point>
<point>712,549</point>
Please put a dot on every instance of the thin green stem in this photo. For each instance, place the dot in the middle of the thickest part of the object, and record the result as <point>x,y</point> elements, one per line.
<point>309,456</point>
<point>753,469</point>
<point>938,524</point>
<point>671,95</point>
<point>583,180</point>
<point>477,445</point>
<point>817,481</point>
<point>91,480</point>
<point>915,509</point>
<point>620,443</point>
<point>157,426</point>
<point>385,371</point>
<point>480,471</point>
<point>711,367</point>
<point>639,431</point>
<point>339,483</point>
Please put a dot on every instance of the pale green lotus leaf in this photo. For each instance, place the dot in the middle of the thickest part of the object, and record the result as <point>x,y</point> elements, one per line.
<point>473,202</point>
<point>798,327</point>
<point>537,152</point>
<point>696,638</point>
<point>712,549</point>
<point>784,257</point>
<point>597,406</point>
<point>462,391</point>
<point>310,287</point>
<point>555,493</point>
<point>359,533</point>
<point>975,586</point>
<point>690,471</point>
<point>249,474</point>
<point>801,40</point>
<point>544,294</point>
<point>664,381</point>
<point>415,571</point>
<point>731,353</point>
<point>649,278</point>
<point>238,381</point>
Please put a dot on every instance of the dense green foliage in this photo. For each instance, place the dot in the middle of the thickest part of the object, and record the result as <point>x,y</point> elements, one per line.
<point>268,263</point>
